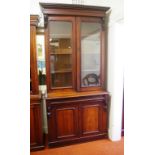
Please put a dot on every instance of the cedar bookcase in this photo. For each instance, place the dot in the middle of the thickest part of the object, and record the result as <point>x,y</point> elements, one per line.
<point>75,47</point>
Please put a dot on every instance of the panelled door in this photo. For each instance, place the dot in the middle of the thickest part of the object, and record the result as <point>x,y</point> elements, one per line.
<point>93,119</point>
<point>62,121</point>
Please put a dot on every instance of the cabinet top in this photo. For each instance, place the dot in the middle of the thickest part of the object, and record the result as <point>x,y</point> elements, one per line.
<point>74,94</point>
<point>50,8</point>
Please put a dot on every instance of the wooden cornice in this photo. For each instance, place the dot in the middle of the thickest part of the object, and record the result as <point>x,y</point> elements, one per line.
<point>34,19</point>
<point>72,9</point>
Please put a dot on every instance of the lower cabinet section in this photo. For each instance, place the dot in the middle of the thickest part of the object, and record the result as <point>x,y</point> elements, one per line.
<point>36,131</point>
<point>76,120</point>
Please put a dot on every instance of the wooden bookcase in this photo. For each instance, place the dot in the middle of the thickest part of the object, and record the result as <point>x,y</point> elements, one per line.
<point>36,132</point>
<point>75,46</point>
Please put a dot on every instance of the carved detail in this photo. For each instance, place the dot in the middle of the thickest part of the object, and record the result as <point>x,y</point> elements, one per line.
<point>103,24</point>
<point>45,20</point>
<point>34,19</point>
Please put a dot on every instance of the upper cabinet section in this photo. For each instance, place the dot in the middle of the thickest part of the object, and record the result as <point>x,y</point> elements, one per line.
<point>75,47</point>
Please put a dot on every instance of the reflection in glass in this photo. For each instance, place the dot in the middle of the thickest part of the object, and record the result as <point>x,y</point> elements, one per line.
<point>90,54</point>
<point>41,59</point>
<point>61,53</point>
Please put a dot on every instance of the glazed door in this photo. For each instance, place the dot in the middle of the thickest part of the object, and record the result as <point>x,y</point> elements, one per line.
<point>90,45</point>
<point>60,53</point>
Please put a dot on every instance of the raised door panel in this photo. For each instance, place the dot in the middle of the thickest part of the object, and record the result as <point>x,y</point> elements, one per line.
<point>63,122</point>
<point>66,122</point>
<point>36,133</point>
<point>91,118</point>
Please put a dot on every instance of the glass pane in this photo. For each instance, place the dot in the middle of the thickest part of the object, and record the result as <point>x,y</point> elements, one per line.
<point>61,53</point>
<point>90,54</point>
<point>41,59</point>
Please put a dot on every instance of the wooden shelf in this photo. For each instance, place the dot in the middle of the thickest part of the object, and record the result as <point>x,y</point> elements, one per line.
<point>60,53</point>
<point>91,70</point>
<point>61,71</point>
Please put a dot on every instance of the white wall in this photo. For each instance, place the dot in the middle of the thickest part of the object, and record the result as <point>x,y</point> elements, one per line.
<point>115,79</point>
<point>115,52</point>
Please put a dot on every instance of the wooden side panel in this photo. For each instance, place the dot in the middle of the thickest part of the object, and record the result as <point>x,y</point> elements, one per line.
<point>32,127</point>
<point>36,132</point>
<point>51,124</point>
<point>33,61</point>
<point>35,124</point>
<point>104,119</point>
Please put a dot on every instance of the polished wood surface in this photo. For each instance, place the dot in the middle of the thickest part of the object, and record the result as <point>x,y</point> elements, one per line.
<point>91,115</point>
<point>73,10</point>
<point>73,94</point>
<point>77,119</point>
<point>75,71</point>
<point>36,131</point>
<point>75,113</point>
<point>33,56</point>
<point>63,118</point>
<point>66,121</point>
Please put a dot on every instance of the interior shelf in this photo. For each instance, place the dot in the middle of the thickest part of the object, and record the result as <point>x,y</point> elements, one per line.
<point>60,53</point>
<point>62,71</point>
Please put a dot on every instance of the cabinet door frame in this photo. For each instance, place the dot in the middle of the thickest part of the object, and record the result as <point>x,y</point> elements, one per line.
<point>89,104</point>
<point>52,113</point>
<point>47,51</point>
<point>79,20</point>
